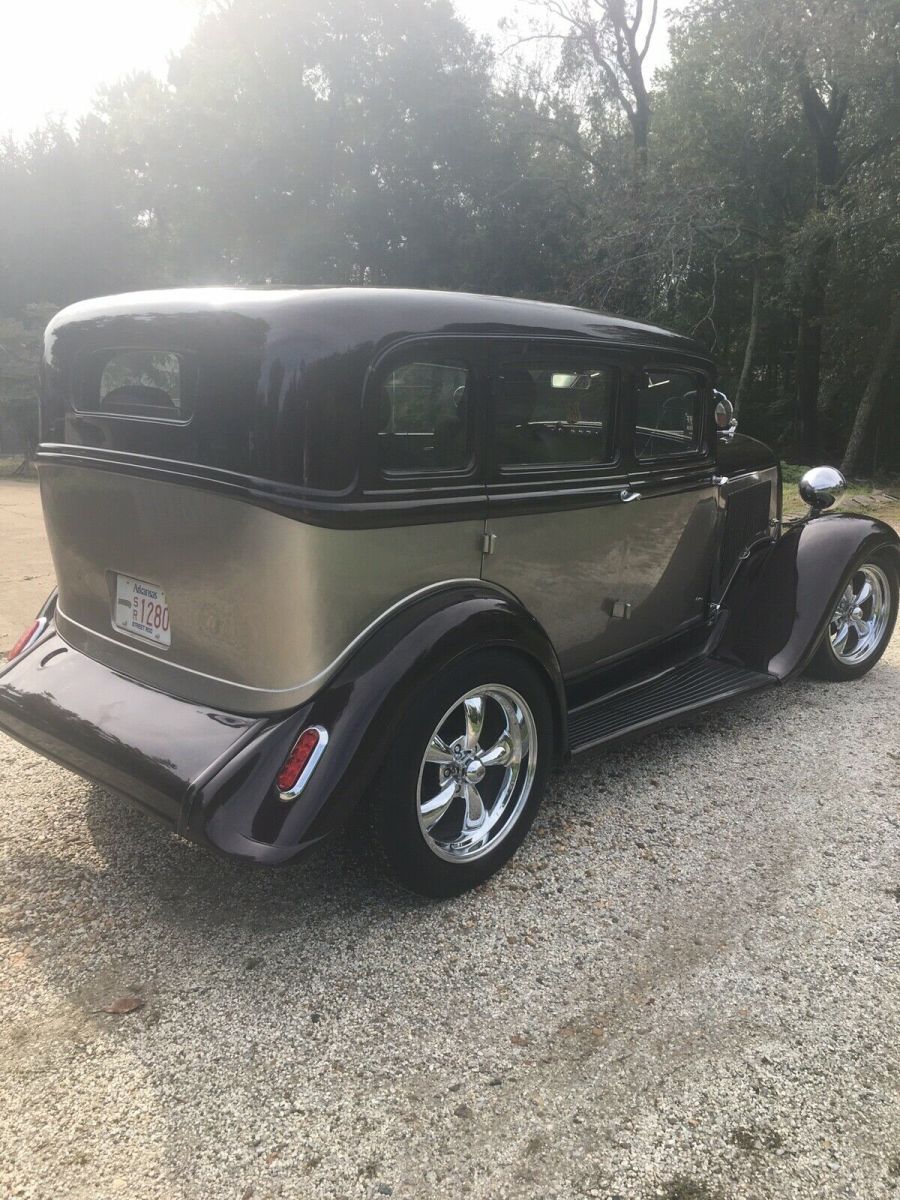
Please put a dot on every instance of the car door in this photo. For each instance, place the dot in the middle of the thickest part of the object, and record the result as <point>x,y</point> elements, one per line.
<point>558,528</point>
<point>422,469</point>
<point>672,545</point>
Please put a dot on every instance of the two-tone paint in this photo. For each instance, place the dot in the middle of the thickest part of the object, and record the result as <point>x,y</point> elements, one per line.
<point>308,589</point>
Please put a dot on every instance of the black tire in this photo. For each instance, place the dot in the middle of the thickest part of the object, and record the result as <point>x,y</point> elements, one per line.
<point>827,663</point>
<point>412,858</point>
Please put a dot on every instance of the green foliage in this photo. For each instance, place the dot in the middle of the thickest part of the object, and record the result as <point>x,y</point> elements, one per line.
<point>20,348</point>
<point>382,142</point>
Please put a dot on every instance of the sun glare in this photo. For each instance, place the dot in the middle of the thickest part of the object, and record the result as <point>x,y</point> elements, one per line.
<point>58,53</point>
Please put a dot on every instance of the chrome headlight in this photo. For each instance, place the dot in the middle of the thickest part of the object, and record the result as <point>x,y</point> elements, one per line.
<point>821,487</point>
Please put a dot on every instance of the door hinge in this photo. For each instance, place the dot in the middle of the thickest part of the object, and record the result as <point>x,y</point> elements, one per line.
<point>488,542</point>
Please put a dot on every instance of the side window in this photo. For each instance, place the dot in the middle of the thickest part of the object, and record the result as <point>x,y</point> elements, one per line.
<point>424,418</point>
<point>136,383</point>
<point>554,412</point>
<point>669,414</point>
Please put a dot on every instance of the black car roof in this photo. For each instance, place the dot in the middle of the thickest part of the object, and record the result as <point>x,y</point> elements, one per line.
<point>275,380</point>
<point>344,316</point>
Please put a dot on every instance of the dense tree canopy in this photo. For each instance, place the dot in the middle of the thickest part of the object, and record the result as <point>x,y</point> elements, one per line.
<point>746,194</point>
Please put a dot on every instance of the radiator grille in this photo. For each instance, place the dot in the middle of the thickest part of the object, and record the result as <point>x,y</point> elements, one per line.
<point>746,520</point>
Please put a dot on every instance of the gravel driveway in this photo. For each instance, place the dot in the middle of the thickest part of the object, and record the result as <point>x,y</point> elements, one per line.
<point>686,985</point>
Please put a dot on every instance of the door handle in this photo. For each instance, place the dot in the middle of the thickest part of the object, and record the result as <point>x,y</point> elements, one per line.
<point>627,495</point>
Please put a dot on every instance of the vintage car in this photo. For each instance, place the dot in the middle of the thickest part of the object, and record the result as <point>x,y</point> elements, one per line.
<point>320,547</point>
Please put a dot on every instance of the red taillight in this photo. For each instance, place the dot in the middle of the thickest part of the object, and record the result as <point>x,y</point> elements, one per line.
<point>33,629</point>
<point>310,742</point>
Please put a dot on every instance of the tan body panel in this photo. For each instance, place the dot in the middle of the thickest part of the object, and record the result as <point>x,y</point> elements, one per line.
<point>570,568</point>
<point>262,607</point>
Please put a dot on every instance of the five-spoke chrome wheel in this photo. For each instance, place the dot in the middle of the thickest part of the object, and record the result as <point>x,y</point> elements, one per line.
<point>477,772</point>
<point>859,623</point>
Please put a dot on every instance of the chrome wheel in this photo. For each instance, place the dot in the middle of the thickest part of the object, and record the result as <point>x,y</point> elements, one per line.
<point>861,617</point>
<point>477,773</point>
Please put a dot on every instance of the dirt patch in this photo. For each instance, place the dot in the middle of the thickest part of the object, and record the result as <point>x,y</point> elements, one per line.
<point>756,1139</point>
<point>687,1189</point>
<point>26,570</point>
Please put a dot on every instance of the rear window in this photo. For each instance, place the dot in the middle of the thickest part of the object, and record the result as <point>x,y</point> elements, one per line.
<point>148,384</point>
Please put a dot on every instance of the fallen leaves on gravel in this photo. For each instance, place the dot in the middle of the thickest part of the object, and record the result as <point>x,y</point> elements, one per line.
<point>124,1004</point>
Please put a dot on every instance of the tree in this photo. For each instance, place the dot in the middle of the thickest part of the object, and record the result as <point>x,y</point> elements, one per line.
<point>731,183</point>
<point>21,341</point>
<point>610,40</point>
<point>600,81</point>
<point>862,423</point>
<point>66,230</point>
<point>337,141</point>
<point>747,196</point>
<point>775,122</point>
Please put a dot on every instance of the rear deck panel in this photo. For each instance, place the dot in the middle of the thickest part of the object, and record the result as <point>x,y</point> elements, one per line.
<point>262,606</point>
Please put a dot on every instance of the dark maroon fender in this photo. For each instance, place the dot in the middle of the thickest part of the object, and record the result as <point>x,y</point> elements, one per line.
<point>362,708</point>
<point>781,600</point>
<point>138,743</point>
<point>210,774</point>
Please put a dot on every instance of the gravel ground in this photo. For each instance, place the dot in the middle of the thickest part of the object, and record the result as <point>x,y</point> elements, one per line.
<point>686,985</point>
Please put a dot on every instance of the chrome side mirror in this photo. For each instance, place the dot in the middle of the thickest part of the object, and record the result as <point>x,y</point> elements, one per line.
<point>821,487</point>
<point>726,421</point>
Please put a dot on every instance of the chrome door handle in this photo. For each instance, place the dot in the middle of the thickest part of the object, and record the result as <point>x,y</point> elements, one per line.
<point>627,495</point>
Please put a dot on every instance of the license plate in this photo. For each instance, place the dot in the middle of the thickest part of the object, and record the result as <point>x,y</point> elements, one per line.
<point>141,609</point>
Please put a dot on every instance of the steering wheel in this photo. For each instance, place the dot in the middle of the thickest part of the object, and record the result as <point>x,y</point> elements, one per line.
<point>686,400</point>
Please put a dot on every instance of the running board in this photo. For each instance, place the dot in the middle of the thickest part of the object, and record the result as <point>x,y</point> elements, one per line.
<point>682,689</point>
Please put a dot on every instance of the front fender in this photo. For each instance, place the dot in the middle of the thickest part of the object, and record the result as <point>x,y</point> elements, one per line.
<point>362,708</point>
<point>780,603</point>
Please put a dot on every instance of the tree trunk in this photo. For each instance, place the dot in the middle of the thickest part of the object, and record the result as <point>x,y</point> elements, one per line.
<point>869,402</point>
<point>809,358</point>
<point>640,123</point>
<point>752,335</point>
<point>824,116</point>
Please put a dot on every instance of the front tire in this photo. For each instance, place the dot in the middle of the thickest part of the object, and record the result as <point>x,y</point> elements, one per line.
<point>861,626</point>
<point>466,774</point>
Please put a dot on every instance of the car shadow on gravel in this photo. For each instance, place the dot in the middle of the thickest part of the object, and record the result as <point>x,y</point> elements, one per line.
<point>187,886</point>
<point>154,898</point>
<point>141,867</point>
<point>195,886</point>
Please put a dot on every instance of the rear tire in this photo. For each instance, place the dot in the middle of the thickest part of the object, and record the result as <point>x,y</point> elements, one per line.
<point>466,774</point>
<point>860,628</point>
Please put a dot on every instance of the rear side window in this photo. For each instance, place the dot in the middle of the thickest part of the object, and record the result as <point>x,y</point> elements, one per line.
<point>669,414</point>
<point>424,417</point>
<point>152,384</point>
<point>554,412</point>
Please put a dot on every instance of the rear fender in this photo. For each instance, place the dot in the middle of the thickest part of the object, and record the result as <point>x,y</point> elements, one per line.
<point>362,708</point>
<point>780,602</point>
